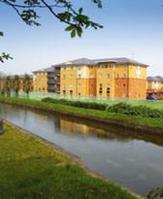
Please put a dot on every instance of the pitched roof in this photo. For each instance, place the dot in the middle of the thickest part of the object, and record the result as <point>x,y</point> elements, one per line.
<point>86,61</point>
<point>155,78</point>
<point>21,76</point>
<point>47,70</point>
<point>44,70</point>
<point>120,60</point>
<point>77,62</point>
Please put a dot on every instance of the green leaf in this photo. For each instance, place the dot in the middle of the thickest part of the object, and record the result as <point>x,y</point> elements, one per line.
<point>73,33</point>
<point>1,34</point>
<point>79,31</point>
<point>69,28</point>
<point>80,10</point>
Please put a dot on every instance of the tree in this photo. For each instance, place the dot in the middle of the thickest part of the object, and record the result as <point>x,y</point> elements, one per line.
<point>64,10</point>
<point>16,84</point>
<point>8,85</point>
<point>27,84</point>
<point>2,82</point>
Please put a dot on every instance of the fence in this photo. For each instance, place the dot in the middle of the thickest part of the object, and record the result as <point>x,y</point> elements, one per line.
<point>39,96</point>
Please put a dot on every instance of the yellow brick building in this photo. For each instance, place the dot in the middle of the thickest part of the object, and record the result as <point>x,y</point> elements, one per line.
<point>104,78</point>
<point>21,79</point>
<point>47,80</point>
<point>40,79</point>
<point>155,83</point>
<point>155,86</point>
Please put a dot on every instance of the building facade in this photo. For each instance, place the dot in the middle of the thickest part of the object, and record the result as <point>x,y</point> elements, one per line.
<point>155,86</point>
<point>47,80</point>
<point>155,83</point>
<point>78,78</point>
<point>104,78</point>
<point>24,82</point>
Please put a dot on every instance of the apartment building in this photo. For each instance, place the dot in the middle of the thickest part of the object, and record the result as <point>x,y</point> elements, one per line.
<point>22,79</point>
<point>47,80</point>
<point>155,83</point>
<point>121,78</point>
<point>23,82</point>
<point>2,81</point>
<point>78,78</point>
<point>155,86</point>
<point>104,78</point>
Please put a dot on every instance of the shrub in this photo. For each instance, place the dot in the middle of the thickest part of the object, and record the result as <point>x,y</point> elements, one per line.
<point>88,105</point>
<point>140,110</point>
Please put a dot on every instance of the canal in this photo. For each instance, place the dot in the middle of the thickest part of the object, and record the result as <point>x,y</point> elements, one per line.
<point>132,160</point>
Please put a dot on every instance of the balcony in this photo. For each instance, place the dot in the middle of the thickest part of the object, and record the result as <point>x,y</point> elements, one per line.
<point>51,81</point>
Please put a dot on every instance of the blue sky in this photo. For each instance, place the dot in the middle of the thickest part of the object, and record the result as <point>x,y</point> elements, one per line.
<point>132,28</point>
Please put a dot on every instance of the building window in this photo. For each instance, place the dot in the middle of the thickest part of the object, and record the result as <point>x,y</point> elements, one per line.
<point>71,86</point>
<point>100,89</point>
<point>100,75</point>
<point>112,65</point>
<point>124,75</point>
<point>108,91</point>
<point>124,85</point>
<point>108,76</point>
<point>138,71</point>
<point>104,66</point>
<point>71,92</point>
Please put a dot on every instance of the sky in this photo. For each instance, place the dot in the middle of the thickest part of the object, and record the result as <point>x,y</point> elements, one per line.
<point>132,28</point>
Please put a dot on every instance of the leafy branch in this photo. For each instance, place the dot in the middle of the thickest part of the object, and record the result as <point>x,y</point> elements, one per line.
<point>74,19</point>
<point>4,56</point>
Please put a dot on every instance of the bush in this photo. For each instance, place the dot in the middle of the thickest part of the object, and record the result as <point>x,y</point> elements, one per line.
<point>88,105</point>
<point>140,110</point>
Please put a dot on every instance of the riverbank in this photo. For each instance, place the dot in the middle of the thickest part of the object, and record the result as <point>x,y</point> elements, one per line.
<point>152,126</point>
<point>31,168</point>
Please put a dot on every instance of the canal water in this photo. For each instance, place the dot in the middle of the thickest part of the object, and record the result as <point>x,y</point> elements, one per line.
<point>126,158</point>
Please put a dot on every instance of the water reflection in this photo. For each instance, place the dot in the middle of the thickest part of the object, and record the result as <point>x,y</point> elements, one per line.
<point>128,158</point>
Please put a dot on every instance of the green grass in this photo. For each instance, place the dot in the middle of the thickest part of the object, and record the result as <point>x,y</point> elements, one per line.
<point>32,169</point>
<point>87,113</point>
<point>152,104</point>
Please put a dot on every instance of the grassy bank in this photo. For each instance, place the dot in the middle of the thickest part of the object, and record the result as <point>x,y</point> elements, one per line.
<point>30,168</point>
<point>128,121</point>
